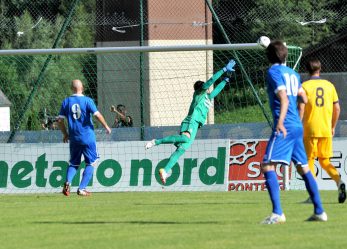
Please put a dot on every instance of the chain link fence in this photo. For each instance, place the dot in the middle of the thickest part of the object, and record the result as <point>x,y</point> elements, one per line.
<point>33,91</point>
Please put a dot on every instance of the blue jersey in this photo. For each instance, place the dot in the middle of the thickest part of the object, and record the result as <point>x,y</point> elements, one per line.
<point>78,110</point>
<point>280,77</point>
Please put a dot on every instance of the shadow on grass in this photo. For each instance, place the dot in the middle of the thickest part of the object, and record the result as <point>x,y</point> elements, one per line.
<point>194,203</point>
<point>139,222</point>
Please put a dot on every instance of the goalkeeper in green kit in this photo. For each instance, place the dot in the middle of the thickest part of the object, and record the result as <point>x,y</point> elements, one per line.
<point>196,118</point>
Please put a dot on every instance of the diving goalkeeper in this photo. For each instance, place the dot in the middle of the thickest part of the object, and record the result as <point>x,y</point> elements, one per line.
<point>196,118</point>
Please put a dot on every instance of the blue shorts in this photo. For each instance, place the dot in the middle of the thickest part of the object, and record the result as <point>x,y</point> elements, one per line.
<point>284,150</point>
<point>88,151</point>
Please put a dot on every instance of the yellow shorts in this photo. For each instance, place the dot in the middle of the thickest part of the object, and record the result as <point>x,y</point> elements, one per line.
<point>318,147</point>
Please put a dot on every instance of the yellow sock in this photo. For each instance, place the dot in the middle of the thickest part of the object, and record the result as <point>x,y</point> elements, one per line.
<point>330,169</point>
<point>312,167</point>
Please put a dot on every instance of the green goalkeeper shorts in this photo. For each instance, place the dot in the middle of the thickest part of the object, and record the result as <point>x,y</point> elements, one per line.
<point>192,127</point>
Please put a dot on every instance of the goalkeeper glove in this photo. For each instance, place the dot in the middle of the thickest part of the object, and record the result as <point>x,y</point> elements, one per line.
<point>226,79</point>
<point>229,67</point>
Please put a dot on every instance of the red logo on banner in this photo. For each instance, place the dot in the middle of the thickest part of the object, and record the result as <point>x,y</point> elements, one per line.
<point>244,165</point>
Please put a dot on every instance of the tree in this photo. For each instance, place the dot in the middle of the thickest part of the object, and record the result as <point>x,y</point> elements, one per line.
<point>20,73</point>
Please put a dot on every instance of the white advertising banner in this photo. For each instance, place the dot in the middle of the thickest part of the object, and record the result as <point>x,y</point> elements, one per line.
<point>339,161</point>
<point>123,166</point>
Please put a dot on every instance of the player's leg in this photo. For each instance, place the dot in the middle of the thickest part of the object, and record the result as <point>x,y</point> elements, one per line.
<point>75,161</point>
<point>335,175</point>
<point>188,130</point>
<point>330,169</point>
<point>300,159</point>
<point>183,137</point>
<point>173,139</point>
<point>278,150</point>
<point>310,144</point>
<point>90,156</point>
<point>273,188</point>
<point>312,189</point>
<point>325,149</point>
<point>163,173</point>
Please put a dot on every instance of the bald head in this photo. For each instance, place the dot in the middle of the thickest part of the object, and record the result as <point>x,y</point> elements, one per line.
<point>77,86</point>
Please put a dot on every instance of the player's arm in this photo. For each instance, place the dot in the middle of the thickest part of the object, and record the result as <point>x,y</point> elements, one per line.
<point>218,88</point>
<point>91,108</point>
<point>302,95</point>
<point>63,129</point>
<point>228,68</point>
<point>121,115</point>
<point>302,101</point>
<point>61,123</point>
<point>336,115</point>
<point>282,96</point>
<point>102,120</point>
<point>301,107</point>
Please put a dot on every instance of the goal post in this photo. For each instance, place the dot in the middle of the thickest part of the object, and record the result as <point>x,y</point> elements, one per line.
<point>112,76</point>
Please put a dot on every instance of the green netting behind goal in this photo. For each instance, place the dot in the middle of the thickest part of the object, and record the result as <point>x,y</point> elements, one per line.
<point>156,90</point>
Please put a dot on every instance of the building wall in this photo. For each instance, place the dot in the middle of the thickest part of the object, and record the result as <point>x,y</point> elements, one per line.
<point>5,119</point>
<point>168,77</point>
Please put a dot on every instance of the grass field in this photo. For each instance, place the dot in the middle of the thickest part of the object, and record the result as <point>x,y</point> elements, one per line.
<point>167,220</point>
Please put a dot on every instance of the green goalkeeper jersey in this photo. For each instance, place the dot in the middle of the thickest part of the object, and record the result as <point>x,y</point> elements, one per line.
<point>202,101</point>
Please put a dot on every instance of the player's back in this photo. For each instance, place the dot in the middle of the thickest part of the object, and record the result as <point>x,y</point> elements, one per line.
<point>318,113</point>
<point>199,108</point>
<point>281,77</point>
<point>78,109</point>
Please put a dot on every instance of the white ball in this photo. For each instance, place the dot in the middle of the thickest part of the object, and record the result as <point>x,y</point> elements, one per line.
<point>264,41</point>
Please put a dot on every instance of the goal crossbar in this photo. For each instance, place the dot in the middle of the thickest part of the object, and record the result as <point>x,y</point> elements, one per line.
<point>102,50</point>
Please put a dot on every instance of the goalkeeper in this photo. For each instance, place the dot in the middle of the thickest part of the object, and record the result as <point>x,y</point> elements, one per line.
<point>196,118</point>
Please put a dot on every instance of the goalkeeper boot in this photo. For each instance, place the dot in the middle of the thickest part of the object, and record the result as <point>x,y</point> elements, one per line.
<point>83,192</point>
<point>66,189</point>
<point>342,192</point>
<point>163,176</point>
<point>274,219</point>
<point>318,217</point>
<point>150,144</point>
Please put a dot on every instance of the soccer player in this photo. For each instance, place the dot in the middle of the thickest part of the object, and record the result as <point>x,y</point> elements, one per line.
<point>196,118</point>
<point>78,110</point>
<point>286,142</point>
<point>320,116</point>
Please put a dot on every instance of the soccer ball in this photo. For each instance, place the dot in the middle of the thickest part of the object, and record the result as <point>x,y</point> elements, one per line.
<point>264,41</point>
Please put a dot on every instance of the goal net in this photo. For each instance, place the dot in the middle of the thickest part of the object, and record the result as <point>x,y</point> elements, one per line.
<point>154,84</point>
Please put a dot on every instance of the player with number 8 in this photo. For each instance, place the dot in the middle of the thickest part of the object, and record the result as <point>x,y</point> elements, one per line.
<point>320,115</point>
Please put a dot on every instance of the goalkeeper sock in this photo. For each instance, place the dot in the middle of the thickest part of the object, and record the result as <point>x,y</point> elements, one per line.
<point>173,159</point>
<point>312,189</point>
<point>274,191</point>
<point>172,139</point>
<point>71,172</point>
<point>87,176</point>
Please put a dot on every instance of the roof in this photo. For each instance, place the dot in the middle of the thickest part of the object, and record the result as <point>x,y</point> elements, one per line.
<point>4,100</point>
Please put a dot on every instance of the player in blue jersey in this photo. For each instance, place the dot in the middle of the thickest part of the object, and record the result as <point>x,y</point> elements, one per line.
<point>286,142</point>
<point>78,110</point>
<point>196,118</point>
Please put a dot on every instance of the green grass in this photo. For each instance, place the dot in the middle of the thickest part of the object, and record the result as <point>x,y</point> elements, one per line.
<point>249,114</point>
<point>167,220</point>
